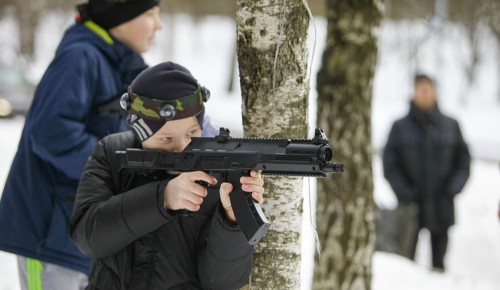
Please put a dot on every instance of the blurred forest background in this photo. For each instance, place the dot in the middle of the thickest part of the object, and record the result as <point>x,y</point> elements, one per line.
<point>471,14</point>
<point>477,19</point>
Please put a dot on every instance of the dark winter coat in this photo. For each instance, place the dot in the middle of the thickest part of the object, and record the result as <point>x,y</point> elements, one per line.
<point>426,161</point>
<point>61,129</point>
<point>137,244</point>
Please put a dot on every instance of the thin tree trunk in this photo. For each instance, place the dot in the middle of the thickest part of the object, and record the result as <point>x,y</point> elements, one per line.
<point>345,207</point>
<point>28,20</point>
<point>272,56</point>
<point>494,25</point>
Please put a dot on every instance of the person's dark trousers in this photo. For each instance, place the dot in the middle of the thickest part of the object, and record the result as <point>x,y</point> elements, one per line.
<point>439,243</point>
<point>413,237</point>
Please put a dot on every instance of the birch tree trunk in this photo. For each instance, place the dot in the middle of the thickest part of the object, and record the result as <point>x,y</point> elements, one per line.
<point>345,208</point>
<point>272,56</point>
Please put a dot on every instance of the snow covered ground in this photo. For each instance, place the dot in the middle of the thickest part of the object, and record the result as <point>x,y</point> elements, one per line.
<point>206,47</point>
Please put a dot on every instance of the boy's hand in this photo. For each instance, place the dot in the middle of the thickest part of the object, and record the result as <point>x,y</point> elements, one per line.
<point>253,183</point>
<point>183,192</point>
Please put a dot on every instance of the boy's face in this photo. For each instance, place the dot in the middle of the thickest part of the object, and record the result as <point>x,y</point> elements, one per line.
<point>138,33</point>
<point>174,136</point>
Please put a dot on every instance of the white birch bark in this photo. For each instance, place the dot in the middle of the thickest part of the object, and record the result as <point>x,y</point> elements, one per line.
<point>272,56</point>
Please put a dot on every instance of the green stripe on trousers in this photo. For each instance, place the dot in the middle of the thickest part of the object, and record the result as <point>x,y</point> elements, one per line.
<point>34,272</point>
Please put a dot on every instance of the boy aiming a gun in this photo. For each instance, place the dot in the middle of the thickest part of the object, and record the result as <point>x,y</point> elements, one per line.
<point>140,237</point>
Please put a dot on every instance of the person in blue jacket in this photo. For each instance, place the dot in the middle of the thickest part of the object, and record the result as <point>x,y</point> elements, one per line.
<point>95,62</point>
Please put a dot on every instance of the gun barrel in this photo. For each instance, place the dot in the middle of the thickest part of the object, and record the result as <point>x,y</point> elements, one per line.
<point>330,167</point>
<point>321,151</point>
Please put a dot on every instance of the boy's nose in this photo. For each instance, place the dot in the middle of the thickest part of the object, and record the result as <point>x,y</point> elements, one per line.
<point>183,143</point>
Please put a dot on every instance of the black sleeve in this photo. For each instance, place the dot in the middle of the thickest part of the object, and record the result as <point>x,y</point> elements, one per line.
<point>104,222</point>
<point>461,169</point>
<point>226,261</point>
<point>393,171</point>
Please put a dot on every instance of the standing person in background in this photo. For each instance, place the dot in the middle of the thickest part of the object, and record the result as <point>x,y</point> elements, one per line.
<point>427,162</point>
<point>95,62</point>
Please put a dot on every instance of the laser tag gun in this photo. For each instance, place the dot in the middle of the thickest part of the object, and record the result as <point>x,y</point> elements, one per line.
<point>227,159</point>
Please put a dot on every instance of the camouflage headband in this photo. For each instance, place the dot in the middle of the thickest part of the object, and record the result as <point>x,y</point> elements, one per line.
<point>147,115</point>
<point>162,110</point>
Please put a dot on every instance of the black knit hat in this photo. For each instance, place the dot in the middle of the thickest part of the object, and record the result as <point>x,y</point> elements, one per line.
<point>110,13</point>
<point>161,93</point>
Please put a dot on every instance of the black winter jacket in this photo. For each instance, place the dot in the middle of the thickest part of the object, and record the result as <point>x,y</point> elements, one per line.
<point>426,161</point>
<point>136,244</point>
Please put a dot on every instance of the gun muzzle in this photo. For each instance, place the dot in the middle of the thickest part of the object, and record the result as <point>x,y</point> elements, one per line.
<point>325,153</point>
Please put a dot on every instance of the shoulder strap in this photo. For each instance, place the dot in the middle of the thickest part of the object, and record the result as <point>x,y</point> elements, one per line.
<point>111,107</point>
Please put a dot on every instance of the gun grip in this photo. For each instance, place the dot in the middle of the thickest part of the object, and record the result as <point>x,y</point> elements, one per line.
<point>248,213</point>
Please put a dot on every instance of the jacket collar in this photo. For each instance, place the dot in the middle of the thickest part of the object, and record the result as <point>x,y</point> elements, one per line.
<point>89,32</point>
<point>125,60</point>
<point>99,31</point>
<point>424,117</point>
